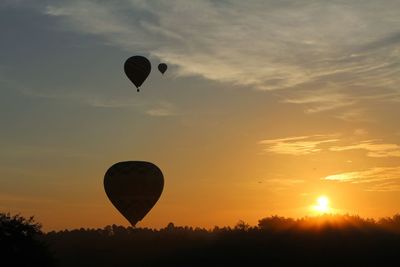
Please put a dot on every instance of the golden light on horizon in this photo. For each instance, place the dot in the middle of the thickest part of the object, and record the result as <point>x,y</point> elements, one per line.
<point>322,205</point>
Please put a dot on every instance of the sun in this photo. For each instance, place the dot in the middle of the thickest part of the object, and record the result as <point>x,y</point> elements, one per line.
<point>322,205</point>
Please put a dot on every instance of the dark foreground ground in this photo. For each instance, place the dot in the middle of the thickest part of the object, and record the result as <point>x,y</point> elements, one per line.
<point>276,241</point>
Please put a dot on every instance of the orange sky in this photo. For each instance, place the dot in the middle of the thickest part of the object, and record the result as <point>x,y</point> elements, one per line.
<point>265,107</point>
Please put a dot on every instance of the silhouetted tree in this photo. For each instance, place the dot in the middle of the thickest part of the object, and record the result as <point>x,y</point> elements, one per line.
<point>391,223</point>
<point>20,243</point>
<point>275,223</point>
<point>242,226</point>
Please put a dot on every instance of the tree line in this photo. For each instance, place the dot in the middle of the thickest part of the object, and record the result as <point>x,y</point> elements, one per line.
<point>328,240</point>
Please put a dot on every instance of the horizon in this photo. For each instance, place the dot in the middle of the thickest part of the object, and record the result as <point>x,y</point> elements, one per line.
<point>306,223</point>
<point>267,107</point>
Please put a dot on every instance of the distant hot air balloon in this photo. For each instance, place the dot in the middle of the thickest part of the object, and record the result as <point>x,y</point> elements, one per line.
<point>137,68</point>
<point>162,67</point>
<point>133,187</point>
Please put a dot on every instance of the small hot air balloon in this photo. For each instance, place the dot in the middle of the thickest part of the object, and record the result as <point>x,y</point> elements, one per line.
<point>137,68</point>
<point>133,187</point>
<point>162,67</point>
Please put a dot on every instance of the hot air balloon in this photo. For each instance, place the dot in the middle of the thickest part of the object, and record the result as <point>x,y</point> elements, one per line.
<point>133,187</point>
<point>162,67</point>
<point>137,68</point>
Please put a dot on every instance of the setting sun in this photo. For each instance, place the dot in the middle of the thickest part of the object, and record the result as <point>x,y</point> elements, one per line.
<point>322,205</point>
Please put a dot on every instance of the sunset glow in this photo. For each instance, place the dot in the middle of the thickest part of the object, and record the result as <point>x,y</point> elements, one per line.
<point>267,107</point>
<point>322,205</point>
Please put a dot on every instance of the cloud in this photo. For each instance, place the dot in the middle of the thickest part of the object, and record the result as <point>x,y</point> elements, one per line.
<point>304,145</point>
<point>263,44</point>
<point>301,145</point>
<point>354,115</point>
<point>319,101</point>
<point>377,179</point>
<point>360,132</point>
<point>374,148</point>
<point>333,57</point>
<point>162,110</point>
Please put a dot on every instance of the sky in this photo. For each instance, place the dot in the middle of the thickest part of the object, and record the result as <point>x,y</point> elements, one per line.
<point>266,105</point>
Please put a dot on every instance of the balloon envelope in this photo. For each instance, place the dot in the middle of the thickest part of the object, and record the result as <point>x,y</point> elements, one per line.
<point>137,68</point>
<point>162,67</point>
<point>133,187</point>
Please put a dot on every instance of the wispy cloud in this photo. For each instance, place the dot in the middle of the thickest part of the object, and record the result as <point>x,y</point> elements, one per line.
<point>319,101</point>
<point>377,179</point>
<point>265,44</point>
<point>374,148</point>
<point>162,110</point>
<point>332,57</point>
<point>304,145</point>
<point>353,115</point>
<point>301,145</point>
<point>393,186</point>
<point>360,131</point>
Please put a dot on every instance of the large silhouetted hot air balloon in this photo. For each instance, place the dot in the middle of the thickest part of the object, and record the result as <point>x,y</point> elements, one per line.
<point>162,67</point>
<point>137,68</point>
<point>134,188</point>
